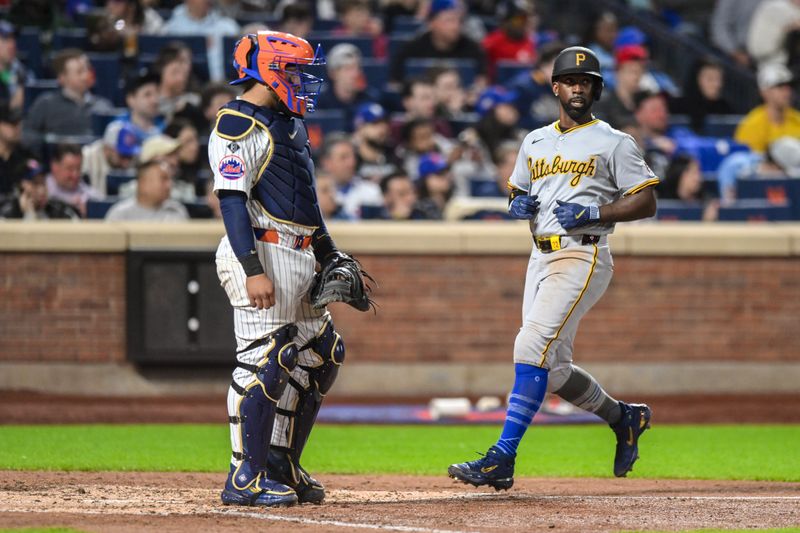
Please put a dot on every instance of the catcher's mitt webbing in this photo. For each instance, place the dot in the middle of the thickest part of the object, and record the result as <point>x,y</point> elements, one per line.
<point>342,280</point>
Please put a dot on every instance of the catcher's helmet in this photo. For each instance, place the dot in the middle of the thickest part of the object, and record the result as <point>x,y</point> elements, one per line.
<point>579,60</point>
<point>264,56</point>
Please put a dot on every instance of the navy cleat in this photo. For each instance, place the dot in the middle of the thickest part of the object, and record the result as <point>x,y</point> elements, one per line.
<point>255,490</point>
<point>635,419</point>
<point>282,469</point>
<point>495,469</point>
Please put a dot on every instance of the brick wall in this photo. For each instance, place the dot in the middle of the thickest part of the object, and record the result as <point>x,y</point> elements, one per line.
<point>657,309</point>
<point>62,307</point>
<point>70,307</point>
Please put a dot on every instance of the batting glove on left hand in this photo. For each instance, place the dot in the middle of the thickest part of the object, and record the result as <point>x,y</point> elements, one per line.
<point>524,207</point>
<point>571,215</point>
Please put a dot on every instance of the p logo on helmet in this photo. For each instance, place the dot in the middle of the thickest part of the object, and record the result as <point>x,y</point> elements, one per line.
<point>579,58</point>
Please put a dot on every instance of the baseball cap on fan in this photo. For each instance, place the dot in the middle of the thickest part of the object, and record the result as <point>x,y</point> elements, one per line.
<point>437,6</point>
<point>432,163</point>
<point>122,138</point>
<point>341,55</point>
<point>158,146</point>
<point>772,75</point>
<point>785,152</point>
<point>492,97</point>
<point>369,113</point>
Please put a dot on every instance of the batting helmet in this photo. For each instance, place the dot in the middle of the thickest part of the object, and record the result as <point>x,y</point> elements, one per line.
<point>265,56</point>
<point>579,60</point>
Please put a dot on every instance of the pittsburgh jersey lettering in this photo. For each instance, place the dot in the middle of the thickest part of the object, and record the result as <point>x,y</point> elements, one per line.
<point>541,168</point>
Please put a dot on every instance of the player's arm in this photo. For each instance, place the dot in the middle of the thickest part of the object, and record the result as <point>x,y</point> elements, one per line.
<point>635,206</point>
<point>233,153</point>
<point>520,205</point>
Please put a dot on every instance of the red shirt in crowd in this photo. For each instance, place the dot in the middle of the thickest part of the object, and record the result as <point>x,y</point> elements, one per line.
<point>499,47</point>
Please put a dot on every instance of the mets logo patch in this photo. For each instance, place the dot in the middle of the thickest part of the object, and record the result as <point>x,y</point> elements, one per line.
<point>231,167</point>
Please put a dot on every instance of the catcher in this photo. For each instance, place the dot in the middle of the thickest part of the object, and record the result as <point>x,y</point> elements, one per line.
<point>288,351</point>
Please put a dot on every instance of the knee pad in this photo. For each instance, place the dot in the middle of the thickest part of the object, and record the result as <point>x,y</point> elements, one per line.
<point>309,385</point>
<point>254,412</point>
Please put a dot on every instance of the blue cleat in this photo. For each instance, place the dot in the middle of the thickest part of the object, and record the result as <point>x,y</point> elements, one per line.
<point>635,419</point>
<point>248,489</point>
<point>495,469</point>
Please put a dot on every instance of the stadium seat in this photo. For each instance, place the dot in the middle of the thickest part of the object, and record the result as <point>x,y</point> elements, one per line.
<point>325,25</point>
<point>29,46</point>
<point>774,191</point>
<point>327,120</point>
<point>329,40</point>
<point>679,210</point>
<point>70,38</point>
<point>397,42</point>
<point>709,151</point>
<point>467,68</point>
<point>484,188</point>
<point>376,72</point>
<point>152,44</point>
<point>108,76</point>
<point>199,65</point>
<point>406,26</point>
<point>755,211</point>
<point>370,212</point>
<point>508,70</point>
<point>115,179</point>
<point>464,121</point>
<point>97,209</point>
<point>228,44</point>
<point>35,88</point>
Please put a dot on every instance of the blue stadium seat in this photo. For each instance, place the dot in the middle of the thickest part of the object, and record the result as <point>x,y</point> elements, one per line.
<point>488,215</point>
<point>508,70</point>
<point>327,120</point>
<point>467,68</point>
<point>97,209</point>
<point>755,211</point>
<point>199,65</point>
<point>709,151</point>
<point>328,41</point>
<point>464,121</point>
<point>101,120</point>
<point>679,210</point>
<point>775,191</point>
<point>70,38</point>
<point>483,188</point>
<point>108,76</point>
<point>29,46</point>
<point>35,88</point>
<point>721,125</point>
<point>228,44</point>
<point>371,212</point>
<point>376,72</point>
<point>325,25</point>
<point>396,42</point>
<point>406,26</point>
<point>117,178</point>
<point>152,44</point>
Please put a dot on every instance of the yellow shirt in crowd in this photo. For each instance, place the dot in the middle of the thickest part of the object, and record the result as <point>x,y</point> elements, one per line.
<point>757,132</point>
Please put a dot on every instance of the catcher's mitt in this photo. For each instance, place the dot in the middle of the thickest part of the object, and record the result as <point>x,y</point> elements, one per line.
<point>342,280</point>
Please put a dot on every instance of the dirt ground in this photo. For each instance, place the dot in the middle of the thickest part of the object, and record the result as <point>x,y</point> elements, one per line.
<point>173,502</point>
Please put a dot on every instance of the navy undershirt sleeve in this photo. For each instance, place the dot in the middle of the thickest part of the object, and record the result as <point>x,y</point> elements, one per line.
<point>233,205</point>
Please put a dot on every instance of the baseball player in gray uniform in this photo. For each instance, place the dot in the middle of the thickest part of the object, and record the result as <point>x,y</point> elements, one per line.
<point>573,180</point>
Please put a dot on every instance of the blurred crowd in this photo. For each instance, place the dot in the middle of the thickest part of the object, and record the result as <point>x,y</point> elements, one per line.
<point>106,106</point>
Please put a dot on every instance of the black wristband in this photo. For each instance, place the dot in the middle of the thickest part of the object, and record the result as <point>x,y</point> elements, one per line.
<point>252,266</point>
<point>323,247</point>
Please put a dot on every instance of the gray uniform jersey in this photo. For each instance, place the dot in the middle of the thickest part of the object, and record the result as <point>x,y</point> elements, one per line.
<point>590,164</point>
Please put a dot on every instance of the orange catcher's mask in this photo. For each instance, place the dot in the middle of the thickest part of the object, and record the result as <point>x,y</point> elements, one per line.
<point>277,59</point>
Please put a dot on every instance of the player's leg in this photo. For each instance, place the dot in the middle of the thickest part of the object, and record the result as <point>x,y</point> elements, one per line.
<point>266,354</point>
<point>321,354</point>
<point>496,467</point>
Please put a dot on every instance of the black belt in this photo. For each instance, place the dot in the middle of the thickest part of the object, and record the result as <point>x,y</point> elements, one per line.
<point>551,243</point>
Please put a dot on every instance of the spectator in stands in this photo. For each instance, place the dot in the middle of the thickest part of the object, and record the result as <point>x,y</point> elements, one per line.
<point>448,92</point>
<point>443,40</point>
<point>188,159</point>
<point>65,181</point>
<point>702,94</point>
<point>327,197</point>
<point>394,9</point>
<point>729,27</point>
<point>114,152</point>
<point>348,86</point>
<point>374,153</point>
<point>174,68</point>
<point>419,137</point>
<point>358,21</point>
<point>505,157</point>
<point>683,181</point>
<point>297,19</point>
<point>499,117</point>
<point>419,101</point>
<point>13,74</point>
<point>617,106</point>
<point>774,118</point>
<point>399,198</point>
<point>69,110</point>
<point>512,41</point>
<point>338,160</point>
<point>435,185</point>
<point>772,22</point>
<point>204,116</point>
<point>212,201</point>
<point>652,120</point>
<point>152,202</point>
<point>118,26</point>
<point>603,33</point>
<point>162,149</point>
<point>31,200</point>
<point>536,103</point>
<point>779,161</point>
<point>141,97</point>
<point>13,157</point>
<point>196,17</point>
